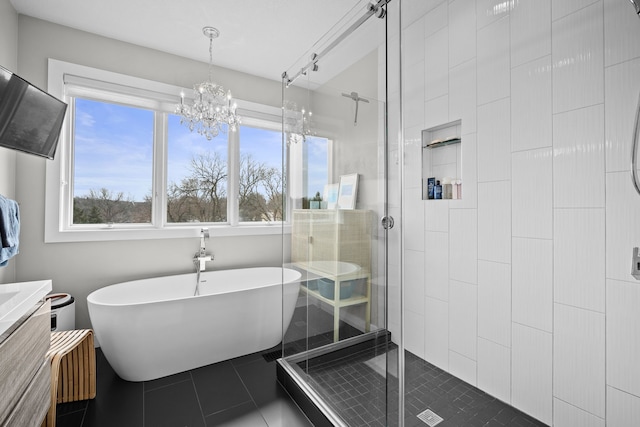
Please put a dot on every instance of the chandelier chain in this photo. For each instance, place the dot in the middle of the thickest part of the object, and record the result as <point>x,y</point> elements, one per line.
<point>211,110</point>
<point>210,57</point>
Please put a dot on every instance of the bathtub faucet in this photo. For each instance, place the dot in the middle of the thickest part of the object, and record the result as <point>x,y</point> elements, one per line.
<point>201,257</point>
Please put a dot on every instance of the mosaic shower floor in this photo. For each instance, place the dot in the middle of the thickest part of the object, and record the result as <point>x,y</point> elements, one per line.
<point>357,387</point>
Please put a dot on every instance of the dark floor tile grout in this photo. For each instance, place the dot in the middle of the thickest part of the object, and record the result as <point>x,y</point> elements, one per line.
<point>195,389</point>
<point>160,387</point>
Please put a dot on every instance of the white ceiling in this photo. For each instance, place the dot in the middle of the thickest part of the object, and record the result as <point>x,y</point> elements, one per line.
<point>260,37</point>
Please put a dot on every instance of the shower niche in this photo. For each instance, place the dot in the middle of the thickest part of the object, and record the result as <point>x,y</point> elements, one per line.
<point>441,162</point>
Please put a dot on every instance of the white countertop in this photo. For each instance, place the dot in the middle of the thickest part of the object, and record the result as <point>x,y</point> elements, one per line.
<point>16,299</point>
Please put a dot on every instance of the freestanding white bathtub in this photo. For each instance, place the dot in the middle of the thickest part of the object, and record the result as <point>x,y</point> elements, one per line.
<point>156,327</point>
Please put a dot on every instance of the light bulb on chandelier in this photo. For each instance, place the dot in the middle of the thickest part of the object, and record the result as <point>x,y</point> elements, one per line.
<point>212,108</point>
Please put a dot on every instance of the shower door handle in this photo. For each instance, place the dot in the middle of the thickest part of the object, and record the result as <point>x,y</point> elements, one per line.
<point>387,222</point>
<point>634,149</point>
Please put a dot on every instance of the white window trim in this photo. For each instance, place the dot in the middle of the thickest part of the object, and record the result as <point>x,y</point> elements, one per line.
<point>57,215</point>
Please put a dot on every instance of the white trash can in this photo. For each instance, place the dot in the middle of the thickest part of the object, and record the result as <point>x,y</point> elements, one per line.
<point>63,312</point>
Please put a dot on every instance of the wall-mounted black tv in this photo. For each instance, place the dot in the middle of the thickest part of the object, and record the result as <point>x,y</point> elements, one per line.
<point>30,119</point>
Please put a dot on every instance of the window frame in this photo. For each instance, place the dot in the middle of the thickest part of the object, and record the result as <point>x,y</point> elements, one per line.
<point>161,98</point>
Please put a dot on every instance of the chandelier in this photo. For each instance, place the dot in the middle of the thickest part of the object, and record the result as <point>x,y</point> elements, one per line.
<point>298,122</point>
<point>212,108</point>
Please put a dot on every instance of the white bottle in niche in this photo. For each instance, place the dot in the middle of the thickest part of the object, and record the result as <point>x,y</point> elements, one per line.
<point>454,189</point>
<point>458,188</point>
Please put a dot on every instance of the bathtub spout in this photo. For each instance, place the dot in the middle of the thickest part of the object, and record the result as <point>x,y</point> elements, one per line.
<point>200,260</point>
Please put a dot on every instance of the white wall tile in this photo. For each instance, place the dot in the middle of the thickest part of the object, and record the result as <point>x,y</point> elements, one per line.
<point>623,333</point>
<point>565,7</point>
<point>436,69</point>
<point>414,10</point>
<point>566,415</point>
<point>414,333</point>
<point>462,95</point>
<point>437,215</point>
<point>621,87</point>
<point>463,245</point>
<point>469,174</point>
<point>532,282</point>
<point>494,144</point>
<point>413,99</point>
<point>489,11</point>
<point>436,333</point>
<point>462,32</point>
<point>436,111</point>
<point>531,372</point>
<point>564,75</point>
<point>531,193</point>
<point>414,220</point>
<point>436,265</point>
<point>412,158</point>
<point>436,19</point>
<point>623,231</point>
<point>494,302</point>
<point>578,158</point>
<point>494,221</point>
<point>578,254</point>
<point>623,409</point>
<point>531,104</point>
<point>494,369</point>
<point>621,32</point>
<point>463,318</point>
<point>530,31</point>
<point>494,72</point>
<point>414,281</point>
<point>413,43</point>
<point>413,82</point>
<point>579,358</point>
<point>578,59</point>
<point>463,368</point>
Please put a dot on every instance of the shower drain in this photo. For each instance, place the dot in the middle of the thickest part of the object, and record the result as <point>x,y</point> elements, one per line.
<point>430,418</point>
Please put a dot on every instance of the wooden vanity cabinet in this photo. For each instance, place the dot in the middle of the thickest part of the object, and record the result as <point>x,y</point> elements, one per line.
<point>25,373</point>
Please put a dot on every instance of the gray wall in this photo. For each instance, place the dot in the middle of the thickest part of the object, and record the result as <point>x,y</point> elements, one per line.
<point>80,268</point>
<point>8,59</point>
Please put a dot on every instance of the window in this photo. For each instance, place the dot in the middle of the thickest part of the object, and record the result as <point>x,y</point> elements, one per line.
<point>113,163</point>
<point>197,176</point>
<point>317,161</point>
<point>127,169</point>
<point>261,183</point>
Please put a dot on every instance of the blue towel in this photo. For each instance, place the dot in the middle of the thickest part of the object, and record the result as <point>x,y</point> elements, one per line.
<point>9,229</point>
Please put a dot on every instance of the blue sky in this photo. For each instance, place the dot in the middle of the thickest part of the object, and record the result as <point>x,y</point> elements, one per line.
<point>114,150</point>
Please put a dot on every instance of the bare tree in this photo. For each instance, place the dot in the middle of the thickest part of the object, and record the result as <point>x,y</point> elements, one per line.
<point>112,207</point>
<point>273,188</point>
<point>252,204</point>
<point>201,196</point>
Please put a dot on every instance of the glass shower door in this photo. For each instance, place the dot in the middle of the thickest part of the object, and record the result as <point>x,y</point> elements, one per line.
<point>335,121</point>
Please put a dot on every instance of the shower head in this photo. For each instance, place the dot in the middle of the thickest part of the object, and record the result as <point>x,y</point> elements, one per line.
<point>636,4</point>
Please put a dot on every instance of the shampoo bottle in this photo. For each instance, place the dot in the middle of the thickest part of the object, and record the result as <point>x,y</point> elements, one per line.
<point>437,191</point>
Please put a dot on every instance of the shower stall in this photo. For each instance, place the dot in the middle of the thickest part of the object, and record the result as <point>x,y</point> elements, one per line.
<point>459,205</point>
<point>341,204</point>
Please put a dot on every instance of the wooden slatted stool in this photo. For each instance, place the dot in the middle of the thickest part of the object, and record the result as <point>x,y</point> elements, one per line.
<point>73,369</point>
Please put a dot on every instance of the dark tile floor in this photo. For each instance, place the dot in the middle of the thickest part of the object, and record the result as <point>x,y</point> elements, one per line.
<point>244,392</point>
<point>240,392</point>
